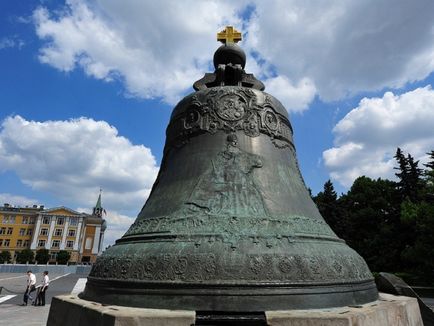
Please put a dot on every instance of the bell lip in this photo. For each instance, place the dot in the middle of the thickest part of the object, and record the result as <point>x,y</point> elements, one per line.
<point>235,297</point>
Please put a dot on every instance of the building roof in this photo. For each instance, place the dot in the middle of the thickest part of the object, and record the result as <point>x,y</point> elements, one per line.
<point>62,208</point>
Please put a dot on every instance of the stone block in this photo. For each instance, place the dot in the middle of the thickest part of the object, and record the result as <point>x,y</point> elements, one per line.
<point>389,310</point>
<point>69,310</point>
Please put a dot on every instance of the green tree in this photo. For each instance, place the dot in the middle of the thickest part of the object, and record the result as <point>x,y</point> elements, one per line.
<point>410,183</point>
<point>5,257</point>
<point>25,256</point>
<point>371,213</point>
<point>63,257</point>
<point>327,203</point>
<point>42,256</point>
<point>429,177</point>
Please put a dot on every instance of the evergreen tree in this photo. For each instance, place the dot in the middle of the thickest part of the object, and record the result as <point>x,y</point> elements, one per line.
<point>410,184</point>
<point>429,177</point>
<point>430,164</point>
<point>327,204</point>
<point>415,183</point>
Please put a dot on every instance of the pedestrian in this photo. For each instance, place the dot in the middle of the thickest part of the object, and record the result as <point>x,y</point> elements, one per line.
<point>40,300</point>
<point>31,281</point>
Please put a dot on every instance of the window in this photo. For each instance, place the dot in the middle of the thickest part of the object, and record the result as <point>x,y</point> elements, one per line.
<point>8,219</point>
<point>29,231</point>
<point>25,220</point>
<point>60,220</point>
<point>19,243</point>
<point>2,230</point>
<point>10,230</point>
<point>1,242</point>
<point>58,232</point>
<point>71,233</point>
<point>88,244</point>
<point>7,242</point>
<point>22,231</point>
<point>55,244</point>
<point>44,231</point>
<point>41,243</point>
<point>32,220</point>
<point>73,221</point>
<point>46,220</point>
<point>69,244</point>
<point>26,243</point>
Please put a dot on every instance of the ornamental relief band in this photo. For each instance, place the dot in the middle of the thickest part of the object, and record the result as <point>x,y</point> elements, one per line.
<point>208,224</point>
<point>252,267</point>
<point>231,109</point>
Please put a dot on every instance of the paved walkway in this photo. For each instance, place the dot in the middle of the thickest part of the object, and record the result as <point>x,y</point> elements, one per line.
<point>12,314</point>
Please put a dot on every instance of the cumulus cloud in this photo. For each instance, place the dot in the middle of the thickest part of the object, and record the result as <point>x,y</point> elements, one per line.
<point>367,137</point>
<point>72,159</point>
<point>295,98</point>
<point>345,47</point>
<point>158,48</point>
<point>15,200</point>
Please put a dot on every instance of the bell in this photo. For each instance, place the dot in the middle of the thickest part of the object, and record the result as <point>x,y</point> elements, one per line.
<point>229,224</point>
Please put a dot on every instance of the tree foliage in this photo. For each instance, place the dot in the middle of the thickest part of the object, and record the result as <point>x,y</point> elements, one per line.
<point>42,256</point>
<point>5,257</point>
<point>63,257</point>
<point>25,256</point>
<point>390,224</point>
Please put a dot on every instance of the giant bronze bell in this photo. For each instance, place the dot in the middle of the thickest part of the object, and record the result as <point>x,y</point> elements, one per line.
<point>229,224</point>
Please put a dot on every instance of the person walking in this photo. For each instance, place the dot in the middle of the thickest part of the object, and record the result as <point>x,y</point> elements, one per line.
<point>40,301</point>
<point>31,281</point>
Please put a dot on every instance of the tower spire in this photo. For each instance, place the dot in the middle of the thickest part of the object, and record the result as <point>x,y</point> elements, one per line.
<point>98,210</point>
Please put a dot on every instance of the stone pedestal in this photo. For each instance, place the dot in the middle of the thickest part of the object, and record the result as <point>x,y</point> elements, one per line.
<point>69,310</point>
<point>389,310</point>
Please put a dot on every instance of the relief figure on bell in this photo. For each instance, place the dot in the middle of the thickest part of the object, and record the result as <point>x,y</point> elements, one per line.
<point>228,188</point>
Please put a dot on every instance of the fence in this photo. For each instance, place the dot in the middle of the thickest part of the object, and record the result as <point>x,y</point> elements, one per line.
<point>52,269</point>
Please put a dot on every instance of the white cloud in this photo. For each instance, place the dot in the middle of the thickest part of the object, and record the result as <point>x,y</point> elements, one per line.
<point>159,48</point>
<point>11,42</point>
<point>72,159</point>
<point>345,47</point>
<point>367,137</point>
<point>295,98</point>
<point>15,200</point>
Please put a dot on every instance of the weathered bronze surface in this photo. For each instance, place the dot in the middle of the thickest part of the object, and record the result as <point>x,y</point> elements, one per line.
<point>229,224</point>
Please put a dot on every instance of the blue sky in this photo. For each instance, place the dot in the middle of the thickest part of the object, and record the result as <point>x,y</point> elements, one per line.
<point>87,88</point>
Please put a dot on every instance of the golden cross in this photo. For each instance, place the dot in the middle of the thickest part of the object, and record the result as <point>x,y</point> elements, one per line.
<point>229,35</point>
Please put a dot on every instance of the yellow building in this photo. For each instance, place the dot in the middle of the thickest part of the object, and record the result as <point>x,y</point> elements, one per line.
<point>16,227</point>
<point>55,229</point>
